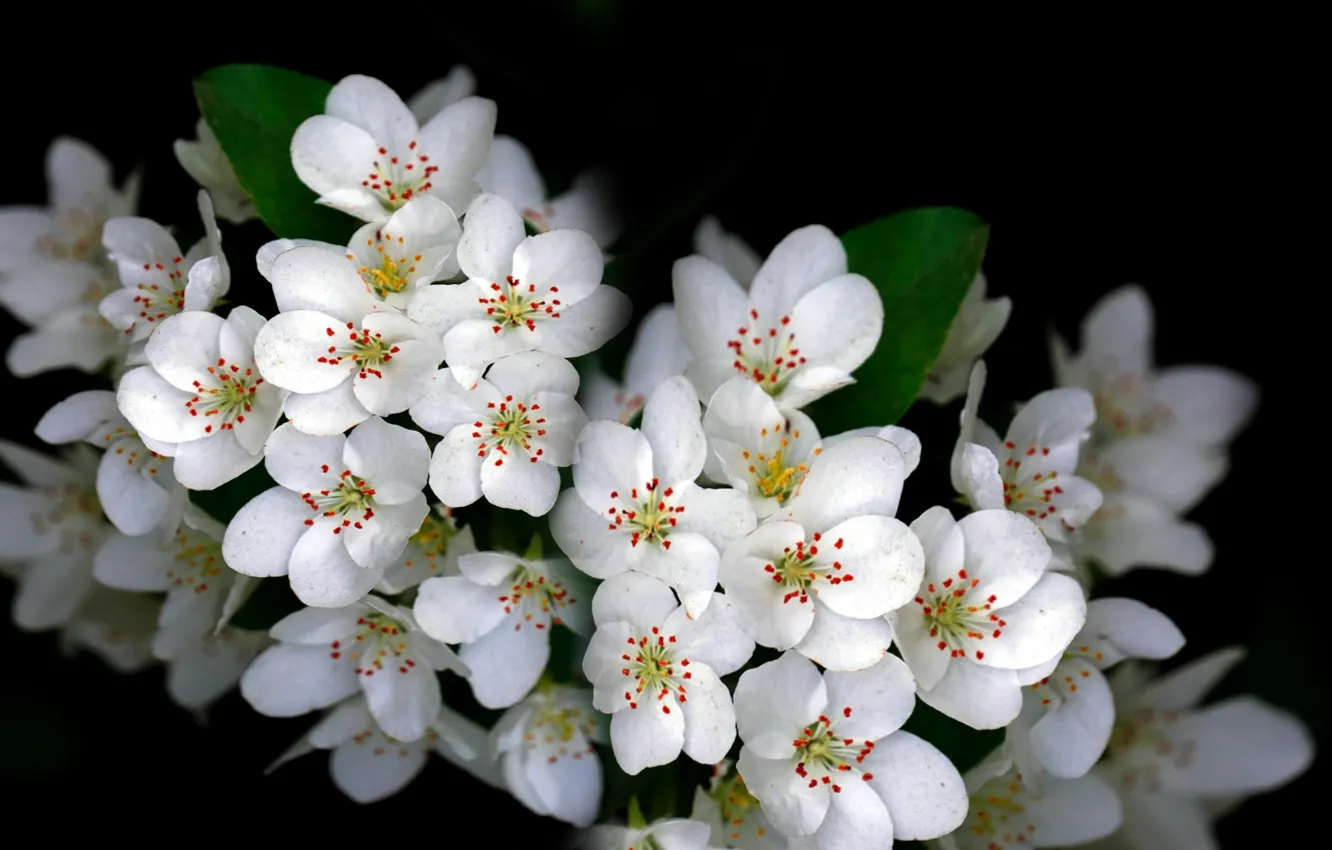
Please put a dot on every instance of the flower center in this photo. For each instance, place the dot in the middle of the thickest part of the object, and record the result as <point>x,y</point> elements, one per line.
<point>766,354</point>
<point>997,815</point>
<point>73,512</point>
<point>379,644</point>
<point>515,305</point>
<point>511,425</point>
<point>228,399</point>
<point>77,235</point>
<point>822,755</point>
<point>198,560</point>
<point>736,804</point>
<point>1028,492</point>
<point>348,498</point>
<point>1142,744</point>
<point>535,598</point>
<point>957,621</point>
<point>797,570</point>
<point>157,301</point>
<point>386,275</point>
<point>432,539</point>
<point>654,670</point>
<point>558,727</point>
<point>649,518</point>
<point>365,350</point>
<point>775,476</point>
<point>1123,408</point>
<point>396,180</point>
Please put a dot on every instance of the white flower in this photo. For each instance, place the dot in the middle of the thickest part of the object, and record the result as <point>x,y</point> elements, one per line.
<point>668,834</point>
<point>342,512</point>
<point>157,279</point>
<point>544,744</point>
<point>51,528</point>
<point>367,156</point>
<point>656,671</point>
<point>326,655</point>
<point>114,625</point>
<point>1005,813</point>
<point>634,504</point>
<point>203,670</point>
<point>202,396</point>
<point>134,483</point>
<point>506,438</point>
<point>511,172</point>
<point>986,611</point>
<point>820,576</point>
<point>758,449</point>
<point>824,756</point>
<point>727,250</point>
<point>204,161</point>
<point>978,323</point>
<point>658,352</point>
<point>537,293</point>
<point>457,84</point>
<point>1175,764</point>
<point>1031,470</point>
<point>433,550</point>
<point>343,353</point>
<point>1067,715</point>
<point>501,608</point>
<point>732,813</point>
<point>367,764</point>
<point>801,330</point>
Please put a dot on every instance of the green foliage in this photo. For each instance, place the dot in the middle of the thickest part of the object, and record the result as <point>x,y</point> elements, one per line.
<point>922,261</point>
<point>254,111</point>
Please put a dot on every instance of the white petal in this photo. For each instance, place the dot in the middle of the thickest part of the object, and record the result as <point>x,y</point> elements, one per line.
<point>289,680</point>
<point>1070,738</point>
<point>855,477</point>
<point>919,785</point>
<point>978,469</point>
<point>329,153</point>
<point>572,785</point>
<point>452,609</point>
<point>371,769</point>
<point>792,806</point>
<point>322,574</point>
<point>473,344</point>
<point>262,535</point>
<point>134,502</point>
<point>709,716</point>
<point>52,587</point>
<point>507,661</point>
<point>78,417</point>
<point>647,736</point>
<point>289,350</point>
<point>821,327</point>
<point>880,698</point>
<point>658,352</point>
<point>610,458</point>
<point>1075,811</point>
<point>905,440</point>
<point>568,260</point>
<point>633,598</point>
<point>328,413</point>
<point>587,325</point>
<point>672,424</point>
<point>444,305</point>
<point>1007,552</point>
<point>1239,746</point>
<point>156,408</point>
<point>379,542</point>
<point>774,701</point>
<point>510,172</point>
<point>493,231</point>
<point>133,563</point>
<point>270,251</point>
<point>445,404</point>
<point>317,626</point>
<point>857,818</point>
<point>762,606</point>
<point>1210,405</point>
<point>1170,469</point>
<point>1165,822</point>
<point>884,557</point>
<point>458,140</point>
<point>714,637</point>
<point>455,468</point>
<point>721,515</point>
<point>76,338</point>
<point>301,462</point>
<point>392,458</point>
<point>980,697</point>
<point>1053,418</point>
<point>689,566</point>
<point>316,279</point>
<point>1118,330</point>
<point>583,535</point>
<point>709,305</point>
<point>525,374</point>
<point>403,699</point>
<point>1134,629</point>
<point>804,259</point>
<point>1184,687</point>
<point>726,249</point>
<point>841,643</point>
<point>211,462</point>
<point>375,108</point>
<point>520,483</point>
<point>1041,623</point>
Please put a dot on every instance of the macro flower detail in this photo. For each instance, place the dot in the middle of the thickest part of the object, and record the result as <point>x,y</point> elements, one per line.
<point>342,512</point>
<point>367,156</point>
<point>523,293</point>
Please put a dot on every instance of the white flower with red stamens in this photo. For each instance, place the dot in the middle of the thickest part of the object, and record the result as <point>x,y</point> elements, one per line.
<point>457,84</point>
<point>668,834</point>
<point>344,354</point>
<point>369,765</point>
<point>537,293</point>
<point>134,483</point>
<point>634,504</point>
<point>1178,765</point>
<point>800,331</point>
<point>986,611</point>
<point>544,745</point>
<point>820,576</point>
<point>758,449</point>
<point>367,156</point>
<point>1031,470</point>
<point>732,813</point>
<point>202,394</point>
<point>502,609</point>
<point>432,551</point>
<point>1068,714</point>
<point>726,250</point>
<point>825,758</point>
<point>1006,814</point>
<point>342,512</point>
<point>506,438</point>
<point>656,672</point>
<point>326,655</point>
<point>157,279</point>
<point>52,528</point>
<point>658,353</point>
<point>978,323</point>
<point>204,160</point>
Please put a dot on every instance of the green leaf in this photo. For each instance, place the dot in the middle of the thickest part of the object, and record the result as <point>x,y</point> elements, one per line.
<point>922,262</point>
<point>254,110</point>
<point>636,819</point>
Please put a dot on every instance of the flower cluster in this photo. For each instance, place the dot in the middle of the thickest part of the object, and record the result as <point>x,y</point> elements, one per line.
<point>738,586</point>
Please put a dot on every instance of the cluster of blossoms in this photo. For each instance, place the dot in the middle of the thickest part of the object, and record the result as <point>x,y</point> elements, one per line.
<point>704,524</point>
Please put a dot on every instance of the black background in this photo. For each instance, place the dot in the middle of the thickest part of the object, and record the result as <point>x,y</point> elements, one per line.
<point>1133,176</point>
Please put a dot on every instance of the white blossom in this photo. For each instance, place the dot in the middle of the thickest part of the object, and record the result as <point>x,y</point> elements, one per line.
<point>978,323</point>
<point>820,576</point>
<point>658,352</point>
<point>544,745</point>
<point>634,504</point>
<point>732,814</point>
<point>372,647</point>
<point>986,611</point>
<point>204,160</point>
<point>523,293</point>
<point>367,156</point>
<point>506,438</point>
<point>825,757</point>
<point>501,609</point>
<point>803,327</point>
<point>342,512</point>
<point>657,672</point>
